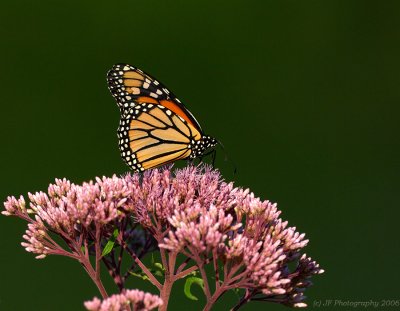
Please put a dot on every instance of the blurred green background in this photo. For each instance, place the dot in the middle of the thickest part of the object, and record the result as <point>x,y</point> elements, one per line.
<point>304,94</point>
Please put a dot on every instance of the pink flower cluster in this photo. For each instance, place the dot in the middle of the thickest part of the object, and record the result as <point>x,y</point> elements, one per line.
<point>68,210</point>
<point>192,212</point>
<point>129,300</point>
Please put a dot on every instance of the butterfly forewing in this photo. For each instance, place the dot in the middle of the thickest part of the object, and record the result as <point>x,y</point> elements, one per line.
<point>130,84</point>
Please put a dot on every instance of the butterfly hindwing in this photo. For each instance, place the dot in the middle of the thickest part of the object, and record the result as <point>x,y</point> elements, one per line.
<point>151,135</point>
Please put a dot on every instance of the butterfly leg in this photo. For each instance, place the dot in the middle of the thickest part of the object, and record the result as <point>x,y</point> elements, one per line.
<point>213,157</point>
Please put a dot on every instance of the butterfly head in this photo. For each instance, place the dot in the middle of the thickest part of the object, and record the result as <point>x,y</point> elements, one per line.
<point>202,146</point>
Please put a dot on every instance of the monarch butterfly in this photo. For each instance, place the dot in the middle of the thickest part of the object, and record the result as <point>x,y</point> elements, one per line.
<point>155,127</point>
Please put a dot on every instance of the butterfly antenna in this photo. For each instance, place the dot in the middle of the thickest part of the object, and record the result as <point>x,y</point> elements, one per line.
<point>227,158</point>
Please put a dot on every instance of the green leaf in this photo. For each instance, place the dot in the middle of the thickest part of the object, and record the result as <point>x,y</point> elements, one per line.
<point>140,275</point>
<point>110,244</point>
<point>159,266</point>
<point>158,273</point>
<point>188,285</point>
